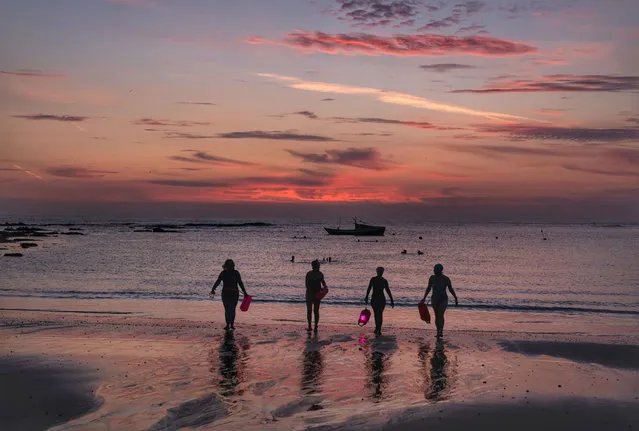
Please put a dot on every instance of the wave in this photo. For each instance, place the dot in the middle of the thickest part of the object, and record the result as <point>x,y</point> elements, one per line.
<point>198,296</point>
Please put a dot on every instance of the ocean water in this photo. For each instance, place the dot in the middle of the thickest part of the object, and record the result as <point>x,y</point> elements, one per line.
<point>575,269</point>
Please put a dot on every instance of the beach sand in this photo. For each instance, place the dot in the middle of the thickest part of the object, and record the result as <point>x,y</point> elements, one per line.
<point>72,367</point>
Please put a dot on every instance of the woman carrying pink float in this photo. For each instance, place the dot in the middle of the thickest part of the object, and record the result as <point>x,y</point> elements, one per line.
<point>379,285</point>
<point>315,290</point>
<point>438,283</point>
<point>230,279</point>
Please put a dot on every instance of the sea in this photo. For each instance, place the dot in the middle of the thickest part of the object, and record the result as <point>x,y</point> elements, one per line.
<point>542,268</point>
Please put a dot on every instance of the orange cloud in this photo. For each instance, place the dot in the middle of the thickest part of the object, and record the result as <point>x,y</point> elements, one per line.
<point>28,172</point>
<point>388,97</point>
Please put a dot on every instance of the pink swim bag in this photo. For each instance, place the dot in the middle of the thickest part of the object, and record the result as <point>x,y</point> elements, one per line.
<point>364,317</point>
<point>322,293</point>
<point>246,302</point>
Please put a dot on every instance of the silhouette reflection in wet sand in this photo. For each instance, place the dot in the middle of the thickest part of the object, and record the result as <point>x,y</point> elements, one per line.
<point>312,368</point>
<point>378,354</point>
<point>232,362</point>
<point>436,371</point>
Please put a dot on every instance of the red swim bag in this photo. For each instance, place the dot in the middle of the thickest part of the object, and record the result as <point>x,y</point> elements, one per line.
<point>244,306</point>
<point>364,317</point>
<point>423,312</point>
<point>322,293</point>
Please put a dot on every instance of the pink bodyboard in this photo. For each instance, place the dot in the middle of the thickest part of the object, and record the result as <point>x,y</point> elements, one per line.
<point>246,302</point>
<point>423,312</point>
<point>322,293</point>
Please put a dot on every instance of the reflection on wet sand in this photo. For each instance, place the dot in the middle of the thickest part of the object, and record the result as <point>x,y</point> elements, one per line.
<point>436,371</point>
<point>376,370</point>
<point>378,354</point>
<point>312,368</point>
<point>232,364</point>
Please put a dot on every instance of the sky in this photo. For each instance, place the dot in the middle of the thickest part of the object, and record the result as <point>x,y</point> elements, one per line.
<point>441,110</point>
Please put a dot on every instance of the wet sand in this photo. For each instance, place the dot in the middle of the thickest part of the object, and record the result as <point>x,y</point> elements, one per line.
<point>135,372</point>
<point>37,393</point>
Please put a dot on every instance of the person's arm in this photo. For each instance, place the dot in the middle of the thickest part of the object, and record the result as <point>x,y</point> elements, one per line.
<point>389,293</point>
<point>217,283</point>
<point>368,291</point>
<point>323,282</point>
<point>427,291</point>
<point>241,283</point>
<point>452,291</point>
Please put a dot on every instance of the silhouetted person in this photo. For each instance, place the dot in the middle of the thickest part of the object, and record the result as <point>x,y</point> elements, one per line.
<point>419,252</point>
<point>404,251</point>
<point>230,279</point>
<point>439,283</point>
<point>293,259</point>
<point>436,381</point>
<point>378,300</point>
<point>330,259</point>
<point>314,282</point>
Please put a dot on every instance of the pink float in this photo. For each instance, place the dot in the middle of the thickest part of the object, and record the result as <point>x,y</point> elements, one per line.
<point>423,312</point>
<point>246,302</point>
<point>322,293</point>
<point>364,317</point>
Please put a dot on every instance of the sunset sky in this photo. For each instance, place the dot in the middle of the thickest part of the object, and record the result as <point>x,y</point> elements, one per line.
<point>507,108</point>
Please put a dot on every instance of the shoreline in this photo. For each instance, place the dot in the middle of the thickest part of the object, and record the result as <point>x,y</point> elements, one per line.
<point>406,317</point>
<point>170,372</point>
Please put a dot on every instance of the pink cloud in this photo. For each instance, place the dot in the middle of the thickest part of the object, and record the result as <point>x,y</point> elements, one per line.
<point>400,45</point>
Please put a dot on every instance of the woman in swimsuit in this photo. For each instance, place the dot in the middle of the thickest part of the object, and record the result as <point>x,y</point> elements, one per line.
<point>314,282</point>
<point>438,282</point>
<point>378,300</point>
<point>230,279</point>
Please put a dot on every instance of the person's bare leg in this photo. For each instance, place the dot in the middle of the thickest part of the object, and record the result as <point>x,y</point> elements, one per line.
<point>316,311</point>
<point>309,312</point>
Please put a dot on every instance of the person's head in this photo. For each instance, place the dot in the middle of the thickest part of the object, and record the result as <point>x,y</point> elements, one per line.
<point>439,268</point>
<point>315,264</point>
<point>380,270</point>
<point>229,264</point>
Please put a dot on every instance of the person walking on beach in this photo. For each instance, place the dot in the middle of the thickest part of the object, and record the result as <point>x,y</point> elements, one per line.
<point>314,282</point>
<point>230,279</point>
<point>378,300</point>
<point>438,282</point>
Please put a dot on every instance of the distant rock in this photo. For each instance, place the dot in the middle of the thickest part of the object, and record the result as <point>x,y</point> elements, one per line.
<point>29,231</point>
<point>13,255</point>
<point>28,244</point>
<point>163,230</point>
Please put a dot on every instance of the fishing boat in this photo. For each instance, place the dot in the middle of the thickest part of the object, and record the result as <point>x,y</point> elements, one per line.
<point>361,229</point>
